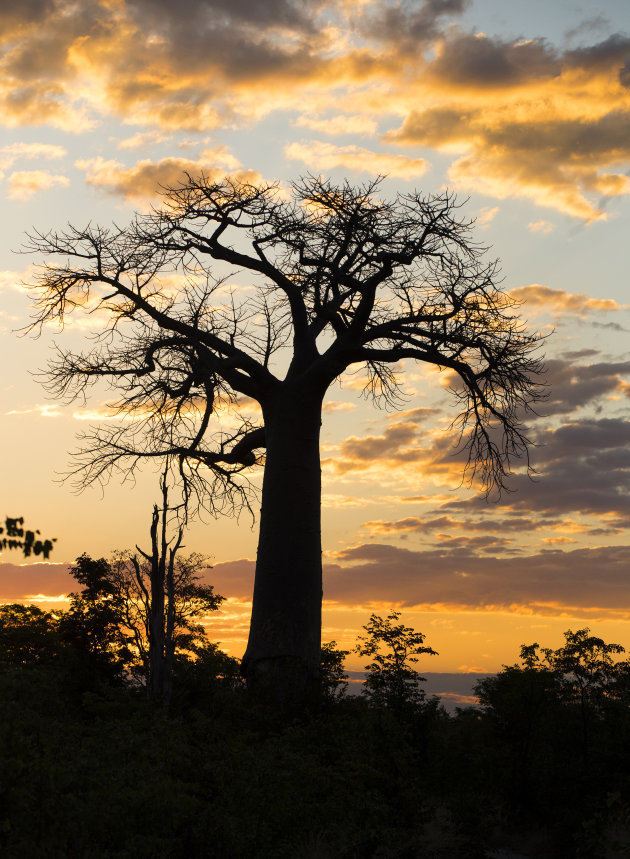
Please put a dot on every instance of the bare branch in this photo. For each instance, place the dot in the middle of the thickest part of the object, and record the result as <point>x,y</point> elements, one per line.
<point>337,278</point>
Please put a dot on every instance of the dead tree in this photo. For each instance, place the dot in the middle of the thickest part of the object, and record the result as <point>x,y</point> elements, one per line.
<point>162,599</point>
<point>337,278</point>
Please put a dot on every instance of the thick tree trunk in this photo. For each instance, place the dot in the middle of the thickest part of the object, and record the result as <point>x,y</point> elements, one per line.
<point>284,649</point>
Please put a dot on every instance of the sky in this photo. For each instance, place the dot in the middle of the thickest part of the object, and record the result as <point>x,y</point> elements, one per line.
<point>521,110</point>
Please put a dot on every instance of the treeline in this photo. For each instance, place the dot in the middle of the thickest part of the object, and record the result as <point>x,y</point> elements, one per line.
<point>94,766</point>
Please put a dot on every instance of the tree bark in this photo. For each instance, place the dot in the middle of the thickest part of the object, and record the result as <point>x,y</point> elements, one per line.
<point>284,650</point>
<point>157,667</point>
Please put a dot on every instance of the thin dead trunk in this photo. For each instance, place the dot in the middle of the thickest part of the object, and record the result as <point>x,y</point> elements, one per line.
<point>157,667</point>
<point>169,640</point>
<point>284,649</point>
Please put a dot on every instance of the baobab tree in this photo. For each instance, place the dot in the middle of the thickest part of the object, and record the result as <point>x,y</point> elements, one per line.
<point>338,278</point>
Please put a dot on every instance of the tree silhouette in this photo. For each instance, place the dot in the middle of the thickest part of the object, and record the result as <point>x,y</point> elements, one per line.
<point>394,648</point>
<point>582,677</point>
<point>333,678</point>
<point>94,625</point>
<point>338,279</point>
<point>139,614</point>
<point>163,598</point>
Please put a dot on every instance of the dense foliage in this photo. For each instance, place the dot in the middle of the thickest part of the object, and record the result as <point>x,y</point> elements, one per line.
<point>218,775</point>
<point>15,536</point>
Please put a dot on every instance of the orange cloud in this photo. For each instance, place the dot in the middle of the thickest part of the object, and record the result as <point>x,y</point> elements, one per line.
<point>326,156</point>
<point>549,582</point>
<point>31,151</point>
<point>486,216</point>
<point>147,179</point>
<point>24,184</point>
<point>536,295</point>
<point>142,139</point>
<point>408,449</point>
<point>425,526</point>
<point>338,406</point>
<point>342,124</point>
<point>520,117</point>
<point>526,120</point>
<point>540,227</point>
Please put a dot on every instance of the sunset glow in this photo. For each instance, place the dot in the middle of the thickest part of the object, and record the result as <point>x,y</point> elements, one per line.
<point>526,119</point>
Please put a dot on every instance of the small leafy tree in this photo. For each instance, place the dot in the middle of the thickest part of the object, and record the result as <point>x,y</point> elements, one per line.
<point>587,665</point>
<point>15,536</point>
<point>94,625</point>
<point>590,676</point>
<point>332,676</point>
<point>391,680</point>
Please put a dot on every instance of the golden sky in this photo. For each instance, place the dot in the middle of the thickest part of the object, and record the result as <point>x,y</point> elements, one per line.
<point>523,113</point>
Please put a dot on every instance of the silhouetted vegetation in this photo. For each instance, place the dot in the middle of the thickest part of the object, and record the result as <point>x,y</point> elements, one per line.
<point>14,536</point>
<point>540,766</point>
<point>111,621</point>
<point>393,648</point>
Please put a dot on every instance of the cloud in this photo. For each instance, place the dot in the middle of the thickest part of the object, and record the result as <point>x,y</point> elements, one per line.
<point>536,295</point>
<point>543,227</point>
<point>234,578</point>
<point>395,446</point>
<point>22,582</point>
<point>452,576</point>
<point>573,386</point>
<point>19,582</point>
<point>47,410</point>
<point>334,500</point>
<point>341,124</point>
<point>527,120</point>
<point>595,23</point>
<point>142,139</point>
<point>550,582</point>
<point>521,117</point>
<point>501,173</point>
<point>31,151</point>
<point>326,156</point>
<point>398,445</point>
<point>147,179</point>
<point>338,406</point>
<point>190,66</point>
<point>486,216</point>
<point>13,279</point>
<point>24,184</point>
<point>583,468</point>
<point>476,61</point>
<point>408,27</point>
<point>418,525</point>
<point>147,57</point>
